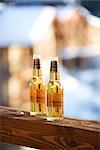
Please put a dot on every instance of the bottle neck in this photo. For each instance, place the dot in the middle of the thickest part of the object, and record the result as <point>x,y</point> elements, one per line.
<point>54,76</point>
<point>37,73</point>
<point>36,67</point>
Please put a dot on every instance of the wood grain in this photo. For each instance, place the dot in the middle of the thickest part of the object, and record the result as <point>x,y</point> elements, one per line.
<point>18,127</point>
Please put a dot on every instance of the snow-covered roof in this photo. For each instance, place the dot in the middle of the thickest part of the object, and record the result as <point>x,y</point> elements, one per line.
<point>17,24</point>
<point>67,12</point>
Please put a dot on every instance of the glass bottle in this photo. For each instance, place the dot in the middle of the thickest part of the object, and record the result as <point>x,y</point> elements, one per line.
<point>54,93</point>
<point>37,89</point>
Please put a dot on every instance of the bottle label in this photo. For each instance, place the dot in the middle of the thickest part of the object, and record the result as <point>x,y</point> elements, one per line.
<point>55,100</point>
<point>37,96</point>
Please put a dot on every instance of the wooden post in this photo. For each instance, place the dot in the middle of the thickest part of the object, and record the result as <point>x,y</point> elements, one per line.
<point>18,127</point>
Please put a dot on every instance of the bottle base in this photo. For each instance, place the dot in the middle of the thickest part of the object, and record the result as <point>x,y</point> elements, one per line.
<point>54,119</point>
<point>37,114</point>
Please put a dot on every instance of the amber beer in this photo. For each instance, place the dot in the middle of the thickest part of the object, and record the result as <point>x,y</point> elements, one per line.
<point>37,89</point>
<point>54,93</point>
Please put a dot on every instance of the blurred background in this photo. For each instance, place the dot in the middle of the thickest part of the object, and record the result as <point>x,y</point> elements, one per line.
<point>69,29</point>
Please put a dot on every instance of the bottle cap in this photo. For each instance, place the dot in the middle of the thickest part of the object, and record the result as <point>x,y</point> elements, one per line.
<point>36,61</point>
<point>54,64</point>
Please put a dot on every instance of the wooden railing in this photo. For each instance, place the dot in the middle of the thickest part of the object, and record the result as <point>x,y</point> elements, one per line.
<point>18,127</point>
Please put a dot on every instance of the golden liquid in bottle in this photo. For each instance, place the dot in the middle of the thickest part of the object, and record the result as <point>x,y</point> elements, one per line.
<point>54,98</point>
<point>37,93</point>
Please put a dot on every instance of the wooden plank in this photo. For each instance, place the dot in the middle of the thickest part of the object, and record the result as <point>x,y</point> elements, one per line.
<point>18,127</point>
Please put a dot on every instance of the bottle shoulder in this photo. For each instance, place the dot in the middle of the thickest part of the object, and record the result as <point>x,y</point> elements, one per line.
<point>36,81</point>
<point>53,84</point>
<point>54,87</point>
